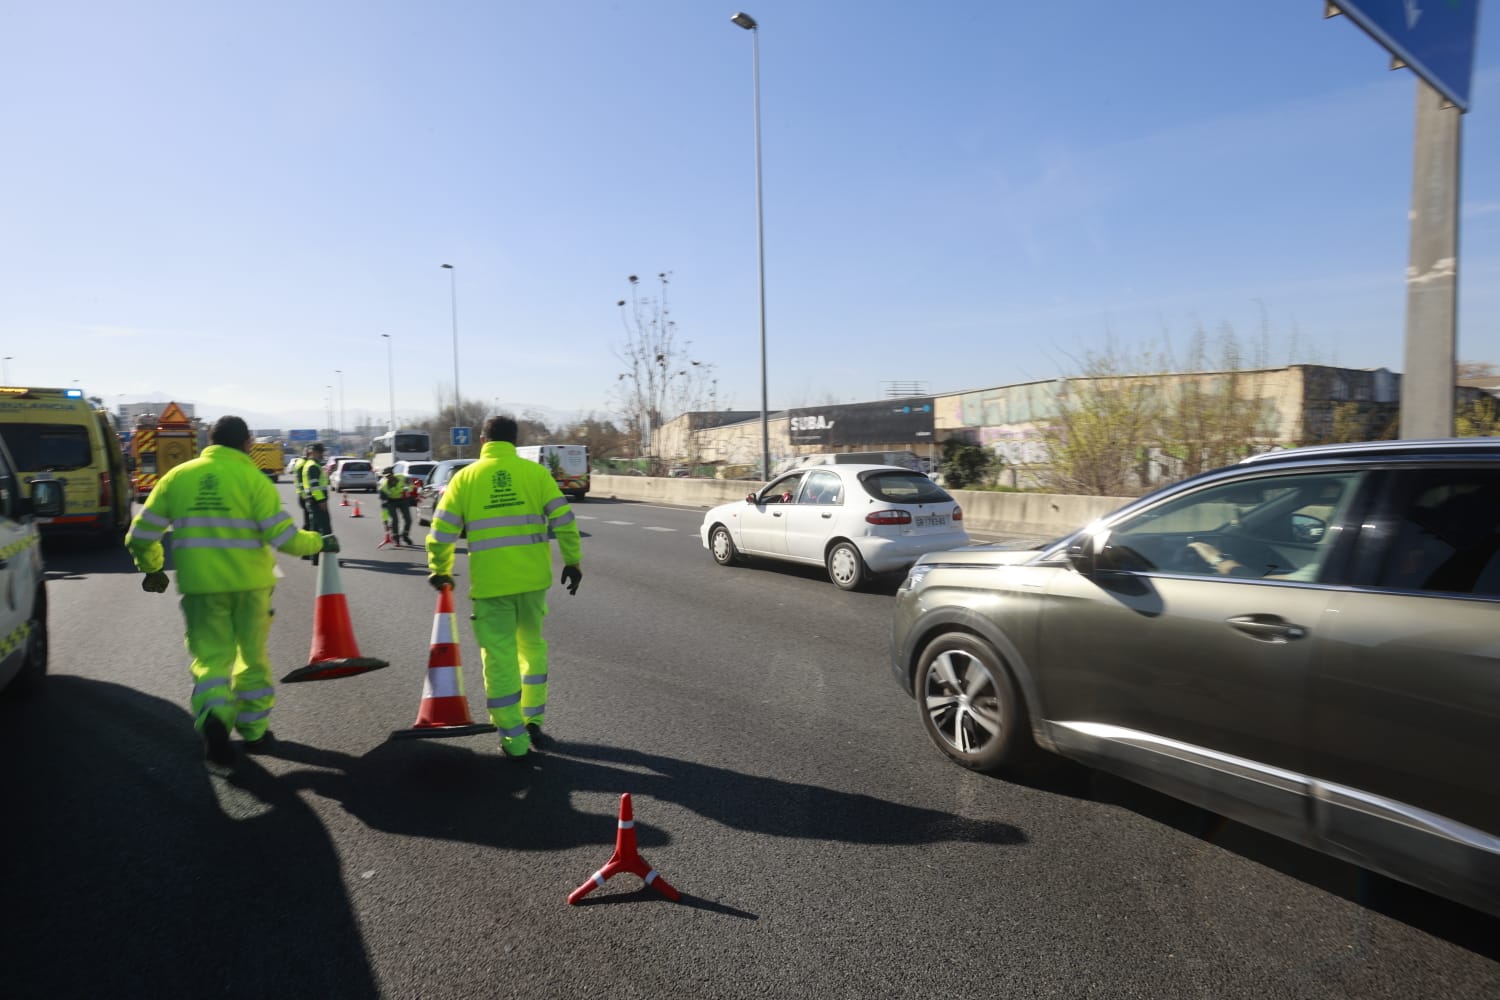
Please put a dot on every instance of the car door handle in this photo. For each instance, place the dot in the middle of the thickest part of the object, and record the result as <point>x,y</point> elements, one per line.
<point>1268,628</point>
<point>826,514</point>
<point>775,513</point>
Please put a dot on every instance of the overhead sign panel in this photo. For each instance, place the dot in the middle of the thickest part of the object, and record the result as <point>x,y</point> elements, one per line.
<point>302,435</point>
<point>1434,37</point>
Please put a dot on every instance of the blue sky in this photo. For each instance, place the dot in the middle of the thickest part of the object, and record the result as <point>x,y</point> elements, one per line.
<point>226,204</point>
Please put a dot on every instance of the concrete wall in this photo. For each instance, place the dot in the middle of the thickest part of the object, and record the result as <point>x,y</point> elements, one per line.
<point>985,512</point>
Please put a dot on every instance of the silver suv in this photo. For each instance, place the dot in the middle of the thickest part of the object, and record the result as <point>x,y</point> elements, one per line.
<point>23,617</point>
<point>1305,642</point>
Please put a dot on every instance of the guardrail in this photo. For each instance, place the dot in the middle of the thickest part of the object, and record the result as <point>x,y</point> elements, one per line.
<point>985,512</point>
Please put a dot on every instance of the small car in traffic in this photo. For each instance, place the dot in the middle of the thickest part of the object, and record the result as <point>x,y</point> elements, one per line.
<point>420,471</point>
<point>24,501</point>
<point>857,521</point>
<point>1304,642</point>
<point>353,474</point>
<point>432,489</point>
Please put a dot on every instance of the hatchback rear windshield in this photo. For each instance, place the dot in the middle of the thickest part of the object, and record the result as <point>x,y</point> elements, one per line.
<point>48,447</point>
<point>900,486</point>
<point>356,466</point>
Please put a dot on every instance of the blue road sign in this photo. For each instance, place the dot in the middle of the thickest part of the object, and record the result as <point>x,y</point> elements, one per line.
<point>460,436</point>
<point>308,436</point>
<point>1434,37</point>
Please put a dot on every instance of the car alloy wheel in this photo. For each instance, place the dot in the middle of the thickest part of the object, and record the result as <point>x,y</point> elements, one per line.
<point>722,546</point>
<point>846,567</point>
<point>969,704</point>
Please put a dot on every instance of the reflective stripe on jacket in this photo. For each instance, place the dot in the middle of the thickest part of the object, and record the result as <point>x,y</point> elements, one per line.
<point>508,506</point>
<point>225,517</point>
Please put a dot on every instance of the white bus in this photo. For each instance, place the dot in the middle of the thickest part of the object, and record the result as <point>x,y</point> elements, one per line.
<point>400,446</point>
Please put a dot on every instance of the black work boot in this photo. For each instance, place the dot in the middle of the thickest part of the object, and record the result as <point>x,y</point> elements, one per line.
<point>216,748</point>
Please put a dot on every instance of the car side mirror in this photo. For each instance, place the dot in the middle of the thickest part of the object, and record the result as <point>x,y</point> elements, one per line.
<point>751,498</point>
<point>1081,553</point>
<point>46,497</point>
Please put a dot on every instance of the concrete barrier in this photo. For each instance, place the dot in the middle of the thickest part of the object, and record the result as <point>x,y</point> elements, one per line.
<point>985,512</point>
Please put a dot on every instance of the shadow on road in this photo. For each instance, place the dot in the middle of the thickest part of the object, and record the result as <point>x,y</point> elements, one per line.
<point>129,870</point>
<point>1431,914</point>
<point>437,789</point>
<point>76,558</point>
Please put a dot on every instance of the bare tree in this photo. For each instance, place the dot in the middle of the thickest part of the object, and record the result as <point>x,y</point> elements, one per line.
<point>1105,421</point>
<point>661,378</point>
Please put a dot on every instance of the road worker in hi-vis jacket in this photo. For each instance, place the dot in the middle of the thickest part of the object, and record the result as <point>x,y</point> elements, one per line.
<point>225,517</point>
<point>508,506</point>
<point>314,482</point>
<point>395,504</point>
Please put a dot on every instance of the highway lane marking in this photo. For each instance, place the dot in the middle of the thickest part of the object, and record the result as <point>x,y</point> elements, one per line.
<point>652,527</point>
<point>620,522</point>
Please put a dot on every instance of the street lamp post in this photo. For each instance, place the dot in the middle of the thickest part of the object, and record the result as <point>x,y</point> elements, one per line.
<point>8,359</point>
<point>340,374</point>
<point>458,398</point>
<point>390,367</point>
<point>330,414</point>
<point>749,24</point>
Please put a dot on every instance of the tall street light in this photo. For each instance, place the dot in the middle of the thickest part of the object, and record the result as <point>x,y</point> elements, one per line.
<point>390,367</point>
<point>748,23</point>
<point>457,396</point>
<point>330,415</point>
<point>8,359</point>
<point>339,372</point>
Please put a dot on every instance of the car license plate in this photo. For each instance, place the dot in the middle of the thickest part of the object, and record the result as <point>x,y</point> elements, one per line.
<point>930,521</point>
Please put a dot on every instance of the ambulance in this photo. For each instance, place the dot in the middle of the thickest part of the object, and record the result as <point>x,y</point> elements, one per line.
<point>58,434</point>
<point>568,463</point>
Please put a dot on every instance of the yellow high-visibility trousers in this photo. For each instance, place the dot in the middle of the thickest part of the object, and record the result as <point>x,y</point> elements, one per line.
<point>226,635</point>
<point>509,632</point>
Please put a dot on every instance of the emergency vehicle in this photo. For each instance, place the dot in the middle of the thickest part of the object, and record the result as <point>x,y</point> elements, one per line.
<point>269,456</point>
<point>58,434</point>
<point>159,445</point>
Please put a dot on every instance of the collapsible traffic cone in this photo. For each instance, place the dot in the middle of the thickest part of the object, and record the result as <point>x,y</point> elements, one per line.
<point>445,708</point>
<point>625,859</point>
<point>355,512</point>
<point>343,499</point>
<point>334,651</point>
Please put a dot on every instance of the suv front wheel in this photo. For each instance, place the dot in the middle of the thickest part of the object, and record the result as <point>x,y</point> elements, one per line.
<point>971,707</point>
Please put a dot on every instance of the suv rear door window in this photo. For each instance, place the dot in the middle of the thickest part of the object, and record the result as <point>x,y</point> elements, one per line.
<point>1447,538</point>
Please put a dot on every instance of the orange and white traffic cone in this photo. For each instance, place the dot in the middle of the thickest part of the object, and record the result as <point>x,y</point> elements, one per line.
<point>625,859</point>
<point>334,651</point>
<point>343,499</point>
<point>355,512</point>
<point>445,708</point>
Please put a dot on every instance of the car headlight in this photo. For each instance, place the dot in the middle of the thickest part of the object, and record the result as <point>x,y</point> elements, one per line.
<point>915,576</point>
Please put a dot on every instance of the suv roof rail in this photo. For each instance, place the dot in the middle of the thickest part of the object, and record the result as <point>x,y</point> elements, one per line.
<point>1445,446</point>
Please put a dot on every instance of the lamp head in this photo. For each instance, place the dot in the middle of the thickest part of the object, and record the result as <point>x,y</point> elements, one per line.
<point>744,21</point>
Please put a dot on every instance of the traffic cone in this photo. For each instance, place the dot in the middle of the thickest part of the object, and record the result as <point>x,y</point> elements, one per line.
<point>334,651</point>
<point>445,708</point>
<point>343,499</point>
<point>355,512</point>
<point>625,859</point>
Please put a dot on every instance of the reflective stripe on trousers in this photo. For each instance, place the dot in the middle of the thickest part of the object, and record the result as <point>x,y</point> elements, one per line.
<point>509,632</point>
<point>226,635</point>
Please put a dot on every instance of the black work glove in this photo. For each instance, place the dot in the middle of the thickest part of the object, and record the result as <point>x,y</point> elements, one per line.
<point>330,544</point>
<point>572,576</point>
<point>439,581</point>
<point>155,583</point>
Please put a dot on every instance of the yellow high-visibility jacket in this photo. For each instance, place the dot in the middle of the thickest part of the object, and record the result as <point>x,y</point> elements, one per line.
<point>314,481</point>
<point>225,517</point>
<point>507,505</point>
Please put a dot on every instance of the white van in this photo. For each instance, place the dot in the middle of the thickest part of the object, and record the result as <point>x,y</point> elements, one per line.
<point>569,464</point>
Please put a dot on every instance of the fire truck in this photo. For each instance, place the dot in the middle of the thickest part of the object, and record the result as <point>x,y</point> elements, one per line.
<point>160,444</point>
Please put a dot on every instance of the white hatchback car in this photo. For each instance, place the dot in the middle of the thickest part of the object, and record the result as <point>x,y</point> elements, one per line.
<point>353,474</point>
<point>856,520</point>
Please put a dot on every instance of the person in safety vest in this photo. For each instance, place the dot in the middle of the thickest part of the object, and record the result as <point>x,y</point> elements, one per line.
<point>297,467</point>
<point>508,506</point>
<point>225,517</point>
<point>315,490</point>
<point>395,501</point>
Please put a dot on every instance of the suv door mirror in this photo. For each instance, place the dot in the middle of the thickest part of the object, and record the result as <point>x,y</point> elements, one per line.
<point>46,497</point>
<point>1081,553</point>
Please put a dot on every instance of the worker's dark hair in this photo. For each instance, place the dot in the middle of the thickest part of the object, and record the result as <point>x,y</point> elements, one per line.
<point>232,432</point>
<point>501,429</point>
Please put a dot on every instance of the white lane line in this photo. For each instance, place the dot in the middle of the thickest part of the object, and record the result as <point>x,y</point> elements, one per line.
<point>620,522</point>
<point>585,517</point>
<point>652,527</point>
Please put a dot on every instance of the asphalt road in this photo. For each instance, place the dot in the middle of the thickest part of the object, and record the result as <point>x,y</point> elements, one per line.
<point>780,780</point>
